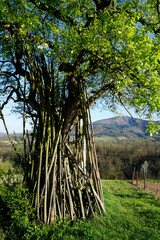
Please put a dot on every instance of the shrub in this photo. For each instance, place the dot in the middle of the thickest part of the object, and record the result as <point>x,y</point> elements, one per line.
<point>4,167</point>
<point>15,208</point>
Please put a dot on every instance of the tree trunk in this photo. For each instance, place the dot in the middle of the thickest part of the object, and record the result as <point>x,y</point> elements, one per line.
<point>57,170</point>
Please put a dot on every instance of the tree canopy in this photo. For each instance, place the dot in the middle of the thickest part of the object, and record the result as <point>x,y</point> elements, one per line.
<point>58,58</point>
<point>113,48</point>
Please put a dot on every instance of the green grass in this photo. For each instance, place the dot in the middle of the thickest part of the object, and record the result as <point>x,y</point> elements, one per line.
<point>152,180</point>
<point>131,214</point>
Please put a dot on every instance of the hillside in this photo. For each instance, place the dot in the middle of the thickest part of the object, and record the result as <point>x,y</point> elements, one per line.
<point>121,127</point>
<point>114,128</point>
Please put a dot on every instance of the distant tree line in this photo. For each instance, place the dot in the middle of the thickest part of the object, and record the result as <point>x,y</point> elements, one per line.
<point>118,159</point>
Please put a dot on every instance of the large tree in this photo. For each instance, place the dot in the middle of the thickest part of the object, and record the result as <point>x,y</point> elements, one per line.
<point>57,59</point>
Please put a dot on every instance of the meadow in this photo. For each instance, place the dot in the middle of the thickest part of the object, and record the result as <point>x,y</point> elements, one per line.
<point>131,213</point>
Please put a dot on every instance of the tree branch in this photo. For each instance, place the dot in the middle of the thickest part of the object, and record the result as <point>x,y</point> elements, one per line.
<point>144,22</point>
<point>158,10</point>
<point>55,12</point>
<point>14,90</point>
<point>9,27</point>
<point>109,86</point>
<point>102,4</point>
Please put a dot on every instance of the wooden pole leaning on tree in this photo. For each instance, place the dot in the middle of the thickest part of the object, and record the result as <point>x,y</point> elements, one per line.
<point>62,172</point>
<point>97,174</point>
<point>91,154</point>
<point>66,190</point>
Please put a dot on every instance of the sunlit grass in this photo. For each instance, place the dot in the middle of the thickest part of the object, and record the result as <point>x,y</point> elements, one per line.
<point>131,213</point>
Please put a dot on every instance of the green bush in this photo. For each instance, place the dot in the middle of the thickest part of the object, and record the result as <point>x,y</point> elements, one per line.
<point>15,208</point>
<point>5,166</point>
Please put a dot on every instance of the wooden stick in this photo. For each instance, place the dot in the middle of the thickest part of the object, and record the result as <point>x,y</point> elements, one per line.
<point>52,210</point>
<point>39,169</point>
<point>133,175</point>
<point>64,197</point>
<point>90,204</point>
<point>60,171</point>
<point>46,174</point>
<point>98,198</point>
<point>59,209</point>
<point>136,178</point>
<point>144,174</point>
<point>97,175</point>
<point>69,194</point>
<point>81,202</point>
<point>55,148</point>
<point>88,180</point>
<point>84,156</point>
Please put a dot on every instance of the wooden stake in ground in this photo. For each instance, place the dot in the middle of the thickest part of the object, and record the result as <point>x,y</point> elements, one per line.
<point>144,176</point>
<point>133,175</point>
<point>136,178</point>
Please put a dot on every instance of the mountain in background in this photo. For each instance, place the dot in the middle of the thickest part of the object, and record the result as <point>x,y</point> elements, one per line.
<point>122,127</point>
<point>116,128</point>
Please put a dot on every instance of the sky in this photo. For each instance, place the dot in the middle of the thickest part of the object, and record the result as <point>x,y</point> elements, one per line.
<point>15,124</point>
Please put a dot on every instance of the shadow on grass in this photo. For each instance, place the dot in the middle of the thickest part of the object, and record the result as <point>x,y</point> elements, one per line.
<point>136,195</point>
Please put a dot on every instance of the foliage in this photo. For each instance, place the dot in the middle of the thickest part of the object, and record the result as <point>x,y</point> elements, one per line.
<point>131,214</point>
<point>115,50</point>
<point>16,211</point>
<point>5,167</point>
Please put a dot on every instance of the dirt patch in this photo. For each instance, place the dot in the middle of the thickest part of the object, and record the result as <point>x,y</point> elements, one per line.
<point>151,187</point>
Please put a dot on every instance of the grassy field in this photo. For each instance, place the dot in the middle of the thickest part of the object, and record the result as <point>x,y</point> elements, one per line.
<point>131,214</point>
